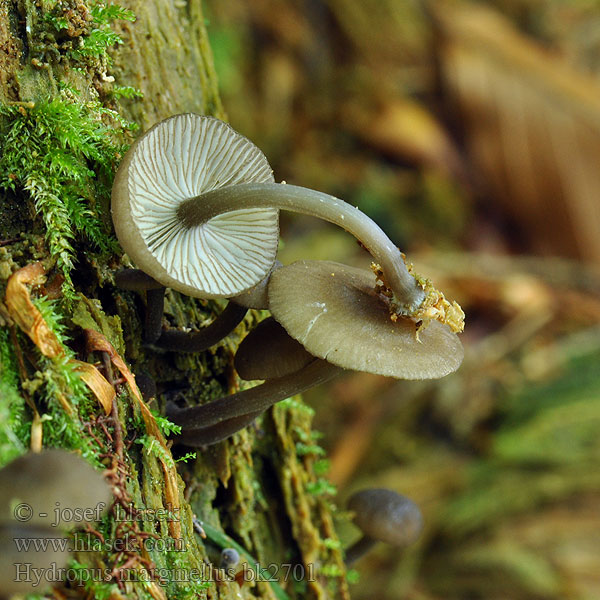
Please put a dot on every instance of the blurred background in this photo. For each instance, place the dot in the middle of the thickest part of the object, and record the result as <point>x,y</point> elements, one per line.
<point>471,134</point>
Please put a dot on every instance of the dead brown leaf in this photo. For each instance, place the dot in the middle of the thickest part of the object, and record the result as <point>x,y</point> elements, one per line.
<point>30,320</point>
<point>96,342</point>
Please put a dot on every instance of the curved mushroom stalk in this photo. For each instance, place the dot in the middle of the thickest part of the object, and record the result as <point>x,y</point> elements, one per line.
<point>197,341</point>
<point>179,341</point>
<point>196,211</point>
<point>268,353</point>
<point>247,404</point>
<point>383,516</point>
<point>213,434</point>
<point>361,547</point>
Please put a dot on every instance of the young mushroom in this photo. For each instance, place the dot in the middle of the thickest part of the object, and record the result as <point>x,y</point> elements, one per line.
<point>267,353</point>
<point>383,516</point>
<point>194,203</point>
<point>50,480</point>
<point>19,566</point>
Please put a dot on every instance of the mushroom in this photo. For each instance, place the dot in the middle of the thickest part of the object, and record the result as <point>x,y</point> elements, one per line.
<point>325,308</point>
<point>383,516</point>
<point>194,203</point>
<point>335,312</point>
<point>180,158</point>
<point>268,353</point>
<point>230,559</point>
<point>51,485</point>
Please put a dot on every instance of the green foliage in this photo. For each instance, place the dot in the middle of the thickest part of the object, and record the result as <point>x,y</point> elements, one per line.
<point>101,37</point>
<point>322,466</point>
<point>61,153</point>
<point>166,427</point>
<point>56,382</point>
<point>186,457</point>
<point>320,487</point>
<point>126,91</point>
<point>303,449</point>
<point>154,447</point>
<point>13,419</point>
<point>104,14</point>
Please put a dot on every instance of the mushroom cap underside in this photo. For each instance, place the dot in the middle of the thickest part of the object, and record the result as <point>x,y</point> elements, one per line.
<point>181,158</point>
<point>335,313</point>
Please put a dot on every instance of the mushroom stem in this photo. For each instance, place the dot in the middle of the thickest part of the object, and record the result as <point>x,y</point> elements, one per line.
<point>359,549</point>
<point>216,433</point>
<point>253,400</point>
<point>136,280</point>
<point>198,210</point>
<point>155,306</point>
<point>197,341</point>
<point>179,341</point>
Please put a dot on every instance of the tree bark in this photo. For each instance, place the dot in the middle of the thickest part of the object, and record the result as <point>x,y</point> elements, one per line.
<point>61,76</point>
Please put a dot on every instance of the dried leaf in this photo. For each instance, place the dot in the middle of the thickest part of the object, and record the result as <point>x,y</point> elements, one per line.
<point>96,342</point>
<point>26,315</point>
<point>97,383</point>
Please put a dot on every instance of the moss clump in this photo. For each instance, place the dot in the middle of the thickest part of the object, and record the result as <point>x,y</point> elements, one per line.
<point>62,156</point>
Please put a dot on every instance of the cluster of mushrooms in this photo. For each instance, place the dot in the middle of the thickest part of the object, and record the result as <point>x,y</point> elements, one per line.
<point>43,496</point>
<point>195,207</point>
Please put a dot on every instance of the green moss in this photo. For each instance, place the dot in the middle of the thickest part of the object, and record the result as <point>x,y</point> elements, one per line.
<point>61,156</point>
<point>13,418</point>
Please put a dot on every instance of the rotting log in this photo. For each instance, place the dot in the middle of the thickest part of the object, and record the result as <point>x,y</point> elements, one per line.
<point>76,79</point>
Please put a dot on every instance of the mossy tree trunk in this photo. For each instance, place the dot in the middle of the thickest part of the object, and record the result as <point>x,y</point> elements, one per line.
<point>76,77</point>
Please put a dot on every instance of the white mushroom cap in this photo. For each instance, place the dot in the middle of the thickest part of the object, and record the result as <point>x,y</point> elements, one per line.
<point>335,313</point>
<point>180,158</point>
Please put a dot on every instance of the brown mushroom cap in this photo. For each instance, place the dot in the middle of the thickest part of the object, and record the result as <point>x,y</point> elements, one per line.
<point>386,516</point>
<point>268,352</point>
<point>177,159</point>
<point>49,480</point>
<point>335,313</point>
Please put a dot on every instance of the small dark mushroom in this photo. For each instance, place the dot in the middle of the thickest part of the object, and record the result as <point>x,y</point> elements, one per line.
<point>230,559</point>
<point>19,567</point>
<point>383,516</point>
<point>41,496</point>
